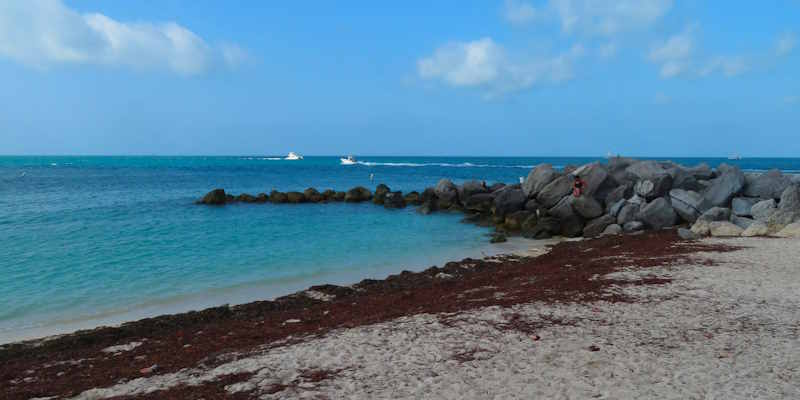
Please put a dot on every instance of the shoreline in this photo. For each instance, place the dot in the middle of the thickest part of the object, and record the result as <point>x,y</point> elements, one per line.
<point>174,342</point>
<point>252,292</point>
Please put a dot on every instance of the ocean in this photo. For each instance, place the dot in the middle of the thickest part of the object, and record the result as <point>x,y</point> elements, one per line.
<point>101,240</point>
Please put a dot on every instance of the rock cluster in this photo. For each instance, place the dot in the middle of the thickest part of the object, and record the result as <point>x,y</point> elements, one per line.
<point>621,196</point>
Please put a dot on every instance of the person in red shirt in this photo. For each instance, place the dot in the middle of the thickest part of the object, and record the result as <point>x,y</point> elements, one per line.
<point>578,186</point>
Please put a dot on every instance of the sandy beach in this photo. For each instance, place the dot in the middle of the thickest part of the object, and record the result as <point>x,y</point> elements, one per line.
<point>650,316</point>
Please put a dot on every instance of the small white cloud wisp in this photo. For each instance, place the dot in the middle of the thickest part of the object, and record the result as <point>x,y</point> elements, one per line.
<point>786,43</point>
<point>43,33</point>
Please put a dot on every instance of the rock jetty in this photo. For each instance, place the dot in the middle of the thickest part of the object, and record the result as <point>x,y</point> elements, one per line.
<point>623,195</point>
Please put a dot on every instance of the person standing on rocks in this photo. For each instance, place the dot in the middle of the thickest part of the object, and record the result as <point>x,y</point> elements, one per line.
<point>577,186</point>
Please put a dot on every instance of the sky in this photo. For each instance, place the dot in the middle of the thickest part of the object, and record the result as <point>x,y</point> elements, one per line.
<point>495,78</point>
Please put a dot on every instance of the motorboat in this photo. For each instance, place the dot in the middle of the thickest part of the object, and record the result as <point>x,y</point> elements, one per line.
<point>349,160</point>
<point>293,156</point>
<point>735,157</point>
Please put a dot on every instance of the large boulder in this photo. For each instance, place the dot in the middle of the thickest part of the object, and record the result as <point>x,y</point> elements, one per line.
<point>413,198</point>
<point>380,193</point>
<point>658,214</point>
<point>594,175</point>
<point>513,222</point>
<point>394,200</point>
<point>621,192</point>
<point>702,171</point>
<point>215,197</point>
<point>688,204</point>
<point>545,228</point>
<point>628,213</point>
<point>329,195</point>
<point>246,198</point>
<point>313,196</point>
<point>757,228</point>
<point>509,201</point>
<point>724,229</point>
<point>788,210</point>
<point>701,227</point>
<point>612,229</point>
<point>790,199</point>
<point>357,194</point>
<point>683,179</point>
<point>633,226</point>
<point>538,178</point>
<point>769,185</point>
<point>653,187</point>
<point>716,214</point>
<point>647,169</point>
<point>762,210</point>
<point>480,202</point>
<point>725,187</point>
<point>687,234</point>
<point>741,222</point>
<point>586,206</point>
<point>428,196</point>
<point>446,193</point>
<point>742,206</point>
<point>598,225</point>
<point>572,226</point>
<point>617,207</point>
<point>554,191</point>
<point>471,187</point>
<point>563,209</point>
<point>295,197</point>
<point>277,197</point>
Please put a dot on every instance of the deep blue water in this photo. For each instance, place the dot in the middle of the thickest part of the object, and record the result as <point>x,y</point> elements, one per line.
<point>89,240</point>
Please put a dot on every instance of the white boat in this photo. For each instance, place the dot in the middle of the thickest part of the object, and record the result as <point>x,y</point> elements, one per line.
<point>735,157</point>
<point>293,156</point>
<point>349,160</point>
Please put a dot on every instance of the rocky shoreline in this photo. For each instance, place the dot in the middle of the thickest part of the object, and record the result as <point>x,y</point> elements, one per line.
<point>623,195</point>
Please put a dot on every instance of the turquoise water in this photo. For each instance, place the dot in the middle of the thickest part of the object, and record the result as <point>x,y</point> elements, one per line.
<point>90,240</point>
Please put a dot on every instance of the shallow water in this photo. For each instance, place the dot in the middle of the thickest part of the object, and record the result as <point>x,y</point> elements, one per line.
<point>90,240</point>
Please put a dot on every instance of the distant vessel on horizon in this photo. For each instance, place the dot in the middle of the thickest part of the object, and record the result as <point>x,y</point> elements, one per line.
<point>293,156</point>
<point>349,160</point>
<point>735,157</point>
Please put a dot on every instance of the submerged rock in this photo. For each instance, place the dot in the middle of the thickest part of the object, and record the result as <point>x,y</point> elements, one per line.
<point>295,197</point>
<point>357,194</point>
<point>277,197</point>
<point>312,195</point>
<point>413,198</point>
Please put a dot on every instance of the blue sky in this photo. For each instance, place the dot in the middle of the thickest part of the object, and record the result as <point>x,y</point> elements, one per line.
<point>515,78</point>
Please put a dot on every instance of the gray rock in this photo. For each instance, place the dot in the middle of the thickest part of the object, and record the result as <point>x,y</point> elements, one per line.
<point>554,191</point>
<point>658,214</point>
<point>701,227</point>
<point>586,206</point>
<point>780,218</point>
<point>563,209</point>
<point>757,228</point>
<point>702,171</point>
<point>621,192</point>
<point>497,186</point>
<point>687,234</point>
<point>513,222</point>
<point>790,231</point>
<point>654,187</point>
<point>742,206</point>
<point>545,228</point>
<point>769,185</point>
<point>532,205</point>
<point>598,225</point>
<point>796,179</point>
<point>647,169</point>
<point>215,197</point>
<point>594,175</point>
<point>446,193</point>
<point>612,229</point>
<point>688,204</point>
<point>683,179</point>
<point>509,201</point>
<point>394,200</point>
<point>725,187</point>
<point>724,229</point>
<point>790,199</point>
<point>628,213</point>
<point>538,178</point>
<point>716,214</point>
<point>762,210</point>
<point>572,226</point>
<point>471,187</point>
<point>480,202</point>
<point>726,168</point>
<point>741,222</point>
<point>633,226</point>
<point>620,163</point>
<point>617,207</point>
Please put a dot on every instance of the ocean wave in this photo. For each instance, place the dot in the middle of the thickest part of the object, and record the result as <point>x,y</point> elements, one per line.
<point>263,158</point>
<point>451,165</point>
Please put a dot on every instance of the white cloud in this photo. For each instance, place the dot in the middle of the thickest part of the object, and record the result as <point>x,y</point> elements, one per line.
<point>674,54</point>
<point>729,66</point>
<point>607,50</point>
<point>519,12</point>
<point>42,33</point>
<point>605,18</point>
<point>786,43</point>
<point>484,63</point>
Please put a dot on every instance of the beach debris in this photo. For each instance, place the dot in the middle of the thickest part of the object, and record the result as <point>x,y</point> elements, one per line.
<point>121,348</point>
<point>594,348</point>
<point>292,321</point>
<point>535,338</point>
<point>149,370</point>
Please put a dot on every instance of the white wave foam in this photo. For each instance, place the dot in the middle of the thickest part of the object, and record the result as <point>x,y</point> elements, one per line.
<point>459,165</point>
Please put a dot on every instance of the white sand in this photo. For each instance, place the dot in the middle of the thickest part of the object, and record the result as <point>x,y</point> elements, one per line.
<point>728,331</point>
